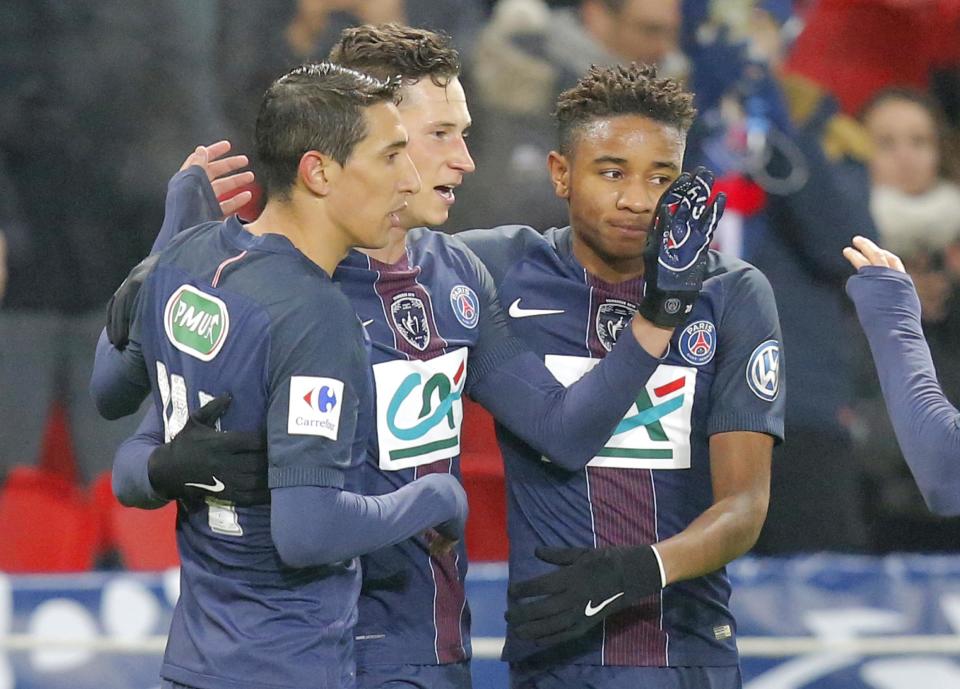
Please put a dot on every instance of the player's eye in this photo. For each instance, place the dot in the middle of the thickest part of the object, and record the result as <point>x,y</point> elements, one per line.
<point>392,157</point>
<point>660,180</point>
<point>440,134</point>
<point>612,174</point>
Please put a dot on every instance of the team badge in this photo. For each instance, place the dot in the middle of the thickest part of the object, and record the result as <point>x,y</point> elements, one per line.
<point>763,370</point>
<point>612,316</point>
<point>466,306</point>
<point>698,342</point>
<point>410,317</point>
<point>196,323</point>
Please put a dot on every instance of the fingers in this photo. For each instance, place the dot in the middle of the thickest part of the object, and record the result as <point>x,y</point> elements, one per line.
<point>217,168</point>
<point>235,203</point>
<point>212,410</point>
<point>856,259</point>
<point>441,546</point>
<point>558,556</point>
<point>868,253</point>
<point>554,582</point>
<point>198,157</point>
<point>544,608</point>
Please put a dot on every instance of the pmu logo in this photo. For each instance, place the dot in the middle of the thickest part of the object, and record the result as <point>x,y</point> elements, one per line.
<point>436,398</point>
<point>322,399</point>
<point>763,370</point>
<point>698,342</point>
<point>196,323</point>
<point>612,316</point>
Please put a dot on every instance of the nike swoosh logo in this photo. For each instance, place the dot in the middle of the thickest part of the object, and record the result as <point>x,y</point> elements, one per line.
<point>516,312</point>
<point>366,323</point>
<point>215,487</point>
<point>592,610</point>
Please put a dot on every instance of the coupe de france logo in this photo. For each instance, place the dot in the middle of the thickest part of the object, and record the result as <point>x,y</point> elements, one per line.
<point>466,306</point>
<point>698,342</point>
<point>315,405</point>
<point>612,316</point>
<point>763,370</point>
<point>196,323</point>
<point>410,317</point>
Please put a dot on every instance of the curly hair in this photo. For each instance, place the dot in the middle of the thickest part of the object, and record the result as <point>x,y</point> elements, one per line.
<point>632,89</point>
<point>387,50</point>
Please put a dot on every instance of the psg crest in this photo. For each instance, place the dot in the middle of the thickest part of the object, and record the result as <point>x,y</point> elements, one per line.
<point>698,342</point>
<point>410,317</point>
<point>612,316</point>
<point>466,306</point>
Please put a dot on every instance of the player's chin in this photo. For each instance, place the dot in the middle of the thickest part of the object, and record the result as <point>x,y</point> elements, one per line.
<point>431,214</point>
<point>624,243</point>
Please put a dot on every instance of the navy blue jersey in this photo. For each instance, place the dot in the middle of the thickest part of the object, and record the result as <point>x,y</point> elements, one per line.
<point>427,315</point>
<point>227,311</point>
<point>652,477</point>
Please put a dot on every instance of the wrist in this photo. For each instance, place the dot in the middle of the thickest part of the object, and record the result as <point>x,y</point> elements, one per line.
<point>653,338</point>
<point>642,573</point>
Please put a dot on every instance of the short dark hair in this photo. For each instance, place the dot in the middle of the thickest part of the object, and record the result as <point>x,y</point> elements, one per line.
<point>387,50</point>
<point>313,107</point>
<point>632,89</point>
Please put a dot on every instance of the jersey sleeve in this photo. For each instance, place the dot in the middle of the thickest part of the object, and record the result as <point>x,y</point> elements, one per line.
<point>748,390</point>
<point>190,201</point>
<point>927,425</point>
<point>499,247</point>
<point>315,381</point>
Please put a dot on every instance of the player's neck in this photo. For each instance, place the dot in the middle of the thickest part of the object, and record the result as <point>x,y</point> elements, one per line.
<point>316,238</point>
<point>610,270</point>
<point>394,250</point>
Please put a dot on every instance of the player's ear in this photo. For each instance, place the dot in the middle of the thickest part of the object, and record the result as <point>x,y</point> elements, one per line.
<point>317,171</point>
<point>559,167</point>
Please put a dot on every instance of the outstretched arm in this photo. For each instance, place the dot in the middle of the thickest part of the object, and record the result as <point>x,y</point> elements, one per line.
<point>927,425</point>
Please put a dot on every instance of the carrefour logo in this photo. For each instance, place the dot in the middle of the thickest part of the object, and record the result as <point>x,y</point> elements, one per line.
<point>321,399</point>
<point>196,323</point>
<point>315,404</point>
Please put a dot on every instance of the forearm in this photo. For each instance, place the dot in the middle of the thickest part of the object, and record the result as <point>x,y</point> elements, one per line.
<point>131,482</point>
<point>724,532</point>
<point>119,382</point>
<point>314,526</point>
<point>926,424</point>
<point>562,423</point>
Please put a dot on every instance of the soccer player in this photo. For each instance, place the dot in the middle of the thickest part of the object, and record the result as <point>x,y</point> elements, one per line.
<point>924,421</point>
<point>268,592</point>
<point>438,331</point>
<point>616,565</point>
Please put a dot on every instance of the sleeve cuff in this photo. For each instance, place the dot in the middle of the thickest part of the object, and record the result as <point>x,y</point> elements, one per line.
<point>751,423</point>
<point>288,477</point>
<point>663,572</point>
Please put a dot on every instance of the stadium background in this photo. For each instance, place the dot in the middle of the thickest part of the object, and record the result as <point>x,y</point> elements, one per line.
<point>103,99</point>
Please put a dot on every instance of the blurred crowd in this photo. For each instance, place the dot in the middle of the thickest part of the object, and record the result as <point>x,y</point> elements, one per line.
<point>822,119</point>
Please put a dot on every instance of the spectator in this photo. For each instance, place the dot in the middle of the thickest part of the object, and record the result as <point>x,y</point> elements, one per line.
<point>917,212</point>
<point>525,56</point>
<point>91,125</point>
<point>270,36</point>
<point>913,205</point>
<point>795,173</point>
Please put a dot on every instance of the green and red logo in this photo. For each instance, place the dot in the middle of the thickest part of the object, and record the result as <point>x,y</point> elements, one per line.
<point>196,323</point>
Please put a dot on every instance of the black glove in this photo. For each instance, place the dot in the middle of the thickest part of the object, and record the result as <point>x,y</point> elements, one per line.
<point>591,585</point>
<point>123,302</point>
<point>201,462</point>
<point>675,257</point>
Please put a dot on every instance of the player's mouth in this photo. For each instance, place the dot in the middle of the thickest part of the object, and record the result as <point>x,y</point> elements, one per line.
<point>394,215</point>
<point>445,192</point>
<point>630,228</point>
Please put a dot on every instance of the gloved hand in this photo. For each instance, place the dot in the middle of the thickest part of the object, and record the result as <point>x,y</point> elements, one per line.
<point>122,304</point>
<point>590,585</point>
<point>202,462</point>
<point>675,257</point>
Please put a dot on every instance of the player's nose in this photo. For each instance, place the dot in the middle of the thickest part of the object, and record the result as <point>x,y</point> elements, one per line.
<point>463,161</point>
<point>410,178</point>
<point>636,198</point>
